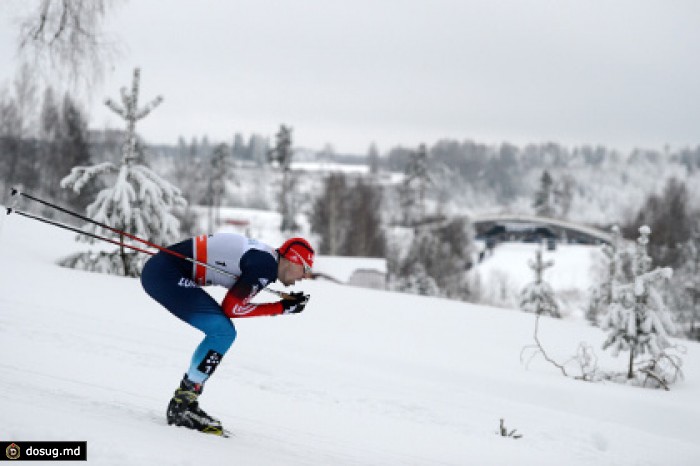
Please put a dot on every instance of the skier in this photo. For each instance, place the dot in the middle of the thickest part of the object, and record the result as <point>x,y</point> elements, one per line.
<point>176,284</point>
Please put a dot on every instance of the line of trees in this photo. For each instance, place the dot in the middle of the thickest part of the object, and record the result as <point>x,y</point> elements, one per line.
<point>41,138</point>
<point>347,218</point>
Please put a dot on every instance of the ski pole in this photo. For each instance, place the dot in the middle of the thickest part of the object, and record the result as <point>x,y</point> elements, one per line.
<point>88,219</point>
<point>77,230</point>
<point>281,294</point>
<point>10,210</point>
<point>16,192</point>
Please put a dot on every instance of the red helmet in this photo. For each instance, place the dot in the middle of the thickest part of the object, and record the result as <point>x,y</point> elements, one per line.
<point>299,251</point>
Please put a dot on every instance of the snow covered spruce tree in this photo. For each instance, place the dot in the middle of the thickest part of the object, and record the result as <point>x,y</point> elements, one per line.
<point>638,319</point>
<point>615,262</point>
<point>138,201</point>
<point>538,296</point>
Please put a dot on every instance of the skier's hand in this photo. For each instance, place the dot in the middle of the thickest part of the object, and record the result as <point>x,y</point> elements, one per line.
<point>294,303</point>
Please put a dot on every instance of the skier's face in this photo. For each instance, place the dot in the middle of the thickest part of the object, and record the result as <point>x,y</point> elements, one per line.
<point>289,272</point>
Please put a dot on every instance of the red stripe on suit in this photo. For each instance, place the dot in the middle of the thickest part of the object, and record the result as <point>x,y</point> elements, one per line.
<point>200,272</point>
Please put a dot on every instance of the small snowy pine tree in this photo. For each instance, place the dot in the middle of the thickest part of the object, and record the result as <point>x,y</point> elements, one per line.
<point>538,296</point>
<point>637,318</point>
<point>602,293</point>
<point>138,202</point>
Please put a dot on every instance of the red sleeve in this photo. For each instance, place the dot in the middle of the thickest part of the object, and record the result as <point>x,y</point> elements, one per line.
<point>236,303</point>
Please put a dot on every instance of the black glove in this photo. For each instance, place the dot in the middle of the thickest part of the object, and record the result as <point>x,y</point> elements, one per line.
<point>294,303</point>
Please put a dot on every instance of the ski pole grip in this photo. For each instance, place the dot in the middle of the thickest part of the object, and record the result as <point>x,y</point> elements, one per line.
<point>13,193</point>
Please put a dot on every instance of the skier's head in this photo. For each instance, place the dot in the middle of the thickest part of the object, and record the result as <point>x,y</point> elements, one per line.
<point>296,260</point>
<point>299,251</point>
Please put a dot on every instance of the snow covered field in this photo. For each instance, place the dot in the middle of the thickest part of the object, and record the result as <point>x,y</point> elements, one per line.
<point>571,275</point>
<point>571,268</point>
<point>361,377</point>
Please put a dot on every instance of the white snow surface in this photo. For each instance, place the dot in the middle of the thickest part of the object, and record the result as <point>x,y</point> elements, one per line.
<point>361,377</point>
<point>571,269</point>
<point>571,275</point>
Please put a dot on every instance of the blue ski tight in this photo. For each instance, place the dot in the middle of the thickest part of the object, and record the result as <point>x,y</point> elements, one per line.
<point>167,279</point>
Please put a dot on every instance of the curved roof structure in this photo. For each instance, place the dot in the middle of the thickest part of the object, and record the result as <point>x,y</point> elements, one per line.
<point>555,222</point>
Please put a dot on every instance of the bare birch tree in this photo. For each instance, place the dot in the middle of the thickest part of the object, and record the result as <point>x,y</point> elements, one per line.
<point>66,38</point>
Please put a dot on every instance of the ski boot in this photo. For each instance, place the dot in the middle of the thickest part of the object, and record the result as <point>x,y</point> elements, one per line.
<point>184,410</point>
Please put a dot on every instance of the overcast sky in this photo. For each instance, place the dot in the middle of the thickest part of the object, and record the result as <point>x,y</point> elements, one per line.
<point>622,73</point>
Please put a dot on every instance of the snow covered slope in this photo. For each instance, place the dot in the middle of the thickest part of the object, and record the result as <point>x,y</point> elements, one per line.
<point>361,377</point>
